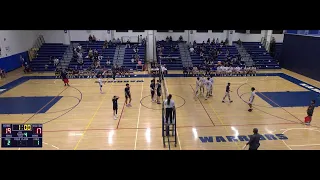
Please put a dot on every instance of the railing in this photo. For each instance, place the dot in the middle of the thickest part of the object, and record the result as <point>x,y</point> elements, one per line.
<point>36,46</point>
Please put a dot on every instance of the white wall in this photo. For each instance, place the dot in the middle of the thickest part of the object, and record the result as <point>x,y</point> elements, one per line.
<point>58,36</point>
<point>16,41</point>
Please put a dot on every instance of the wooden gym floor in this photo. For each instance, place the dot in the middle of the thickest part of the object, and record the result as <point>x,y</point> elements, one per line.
<point>82,118</point>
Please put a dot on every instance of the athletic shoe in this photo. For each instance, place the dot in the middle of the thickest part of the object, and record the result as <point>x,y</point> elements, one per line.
<point>250,110</point>
<point>223,101</point>
<point>231,101</point>
<point>114,117</point>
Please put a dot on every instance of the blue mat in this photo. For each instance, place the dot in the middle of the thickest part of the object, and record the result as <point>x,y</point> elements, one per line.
<point>27,105</point>
<point>289,99</point>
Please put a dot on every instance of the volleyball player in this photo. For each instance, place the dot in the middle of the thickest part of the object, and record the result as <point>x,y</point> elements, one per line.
<point>152,89</point>
<point>100,84</point>
<point>65,78</point>
<point>211,89</point>
<point>253,94</point>
<point>208,87</point>
<point>115,106</point>
<point>197,86</point>
<point>158,92</point>
<point>127,95</point>
<point>170,107</point>
<point>227,93</point>
<point>202,83</point>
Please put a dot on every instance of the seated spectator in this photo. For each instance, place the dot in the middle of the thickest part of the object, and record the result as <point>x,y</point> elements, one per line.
<point>217,41</point>
<point>208,41</point>
<point>227,52</point>
<point>56,62</point>
<point>100,57</point>
<point>239,42</point>
<point>90,54</point>
<point>180,38</point>
<point>201,54</point>
<point>170,38</point>
<point>176,48</point>
<point>21,59</point>
<point>94,39</point>
<point>167,39</point>
<point>128,44</point>
<point>90,38</point>
<point>135,49</point>
<point>132,58</point>
<point>95,54</point>
<point>118,41</point>
<point>191,50</point>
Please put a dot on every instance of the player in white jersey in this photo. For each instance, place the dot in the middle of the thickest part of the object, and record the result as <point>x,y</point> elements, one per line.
<point>198,83</point>
<point>208,87</point>
<point>254,70</point>
<point>237,71</point>
<point>253,94</point>
<point>100,84</point>
<point>211,89</point>
<point>202,83</point>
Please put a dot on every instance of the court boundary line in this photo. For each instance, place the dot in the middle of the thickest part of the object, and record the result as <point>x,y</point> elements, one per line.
<point>45,105</point>
<point>290,129</point>
<point>92,118</point>
<point>138,121</point>
<point>120,115</point>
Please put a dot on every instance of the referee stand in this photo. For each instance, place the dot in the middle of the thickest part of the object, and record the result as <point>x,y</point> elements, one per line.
<point>168,130</point>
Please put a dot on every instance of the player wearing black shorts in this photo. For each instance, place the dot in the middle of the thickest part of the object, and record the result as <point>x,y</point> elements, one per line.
<point>227,93</point>
<point>127,94</point>
<point>158,92</point>
<point>152,89</point>
<point>115,106</point>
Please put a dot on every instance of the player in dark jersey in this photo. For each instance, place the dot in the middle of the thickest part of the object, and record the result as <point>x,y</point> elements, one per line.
<point>227,93</point>
<point>158,92</point>
<point>65,78</point>
<point>152,89</point>
<point>115,106</point>
<point>127,94</point>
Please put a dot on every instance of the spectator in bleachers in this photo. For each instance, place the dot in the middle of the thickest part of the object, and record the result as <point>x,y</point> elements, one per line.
<point>90,54</point>
<point>118,41</point>
<point>56,62</point>
<point>105,45</point>
<point>180,38</point>
<point>2,73</point>
<point>90,38</point>
<point>94,39</point>
<point>132,58</point>
<point>128,44</point>
<point>21,59</point>
<point>191,50</point>
<point>208,41</point>
<point>201,55</point>
<point>167,39</point>
<point>217,41</point>
<point>135,49</point>
<point>144,41</point>
<point>95,53</point>
<point>170,39</point>
<point>239,42</point>
<point>226,42</point>
<point>176,48</point>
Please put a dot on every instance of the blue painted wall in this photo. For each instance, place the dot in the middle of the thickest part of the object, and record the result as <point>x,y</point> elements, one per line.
<point>11,63</point>
<point>301,54</point>
<point>304,32</point>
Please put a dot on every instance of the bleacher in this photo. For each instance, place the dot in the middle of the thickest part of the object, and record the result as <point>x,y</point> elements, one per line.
<point>128,56</point>
<point>176,64</point>
<point>260,56</point>
<point>98,45</point>
<point>43,58</point>
<point>196,60</point>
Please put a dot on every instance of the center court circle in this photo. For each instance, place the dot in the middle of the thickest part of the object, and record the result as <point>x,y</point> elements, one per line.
<point>146,102</point>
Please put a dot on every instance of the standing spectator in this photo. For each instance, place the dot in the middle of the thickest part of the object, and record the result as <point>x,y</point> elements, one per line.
<point>128,44</point>
<point>191,50</point>
<point>90,38</point>
<point>208,41</point>
<point>180,38</point>
<point>94,39</point>
<point>105,45</point>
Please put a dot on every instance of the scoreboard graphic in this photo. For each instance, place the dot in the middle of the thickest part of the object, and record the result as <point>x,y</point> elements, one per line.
<point>21,135</point>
